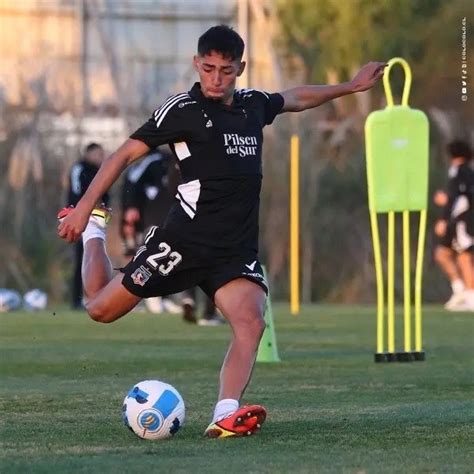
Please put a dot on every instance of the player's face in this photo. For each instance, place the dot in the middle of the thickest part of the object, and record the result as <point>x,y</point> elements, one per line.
<point>96,156</point>
<point>218,75</point>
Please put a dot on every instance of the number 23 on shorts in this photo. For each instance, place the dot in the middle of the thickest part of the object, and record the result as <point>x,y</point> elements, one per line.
<point>173,259</point>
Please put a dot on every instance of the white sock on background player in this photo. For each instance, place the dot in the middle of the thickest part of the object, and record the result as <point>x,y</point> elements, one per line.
<point>457,286</point>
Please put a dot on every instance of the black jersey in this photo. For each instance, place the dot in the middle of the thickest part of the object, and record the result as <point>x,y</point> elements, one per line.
<point>460,191</point>
<point>81,175</point>
<point>219,151</point>
<point>146,187</point>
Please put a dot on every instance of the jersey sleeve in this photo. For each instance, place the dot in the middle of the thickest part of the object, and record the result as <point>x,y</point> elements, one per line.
<point>268,105</point>
<point>272,106</point>
<point>166,125</point>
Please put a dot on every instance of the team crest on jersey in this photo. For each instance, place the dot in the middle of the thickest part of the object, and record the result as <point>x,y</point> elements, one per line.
<point>141,275</point>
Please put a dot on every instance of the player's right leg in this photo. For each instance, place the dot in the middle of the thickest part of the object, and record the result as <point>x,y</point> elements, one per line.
<point>445,258</point>
<point>106,299</point>
<point>242,302</point>
<point>464,245</point>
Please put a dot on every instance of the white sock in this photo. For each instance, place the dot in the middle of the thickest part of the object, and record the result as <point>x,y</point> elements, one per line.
<point>457,286</point>
<point>469,296</point>
<point>224,407</point>
<point>92,232</point>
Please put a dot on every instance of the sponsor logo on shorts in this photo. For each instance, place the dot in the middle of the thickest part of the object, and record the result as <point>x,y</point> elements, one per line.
<point>141,275</point>
<point>251,266</point>
<point>255,275</point>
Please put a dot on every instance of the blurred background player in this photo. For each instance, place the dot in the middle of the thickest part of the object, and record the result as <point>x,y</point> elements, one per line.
<point>455,229</point>
<point>80,177</point>
<point>147,195</point>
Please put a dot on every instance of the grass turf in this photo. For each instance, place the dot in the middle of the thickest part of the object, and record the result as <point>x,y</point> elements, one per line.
<point>331,409</point>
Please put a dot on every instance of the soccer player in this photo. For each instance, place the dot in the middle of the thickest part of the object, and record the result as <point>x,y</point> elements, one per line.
<point>80,177</point>
<point>455,229</point>
<point>210,237</point>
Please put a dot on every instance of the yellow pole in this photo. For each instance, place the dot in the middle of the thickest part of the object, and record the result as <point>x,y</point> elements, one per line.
<point>391,283</point>
<point>406,282</point>
<point>379,279</point>
<point>294,226</point>
<point>418,280</point>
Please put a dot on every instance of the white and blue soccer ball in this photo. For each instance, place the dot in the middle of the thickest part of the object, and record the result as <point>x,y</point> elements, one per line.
<point>9,300</point>
<point>153,410</point>
<point>35,300</point>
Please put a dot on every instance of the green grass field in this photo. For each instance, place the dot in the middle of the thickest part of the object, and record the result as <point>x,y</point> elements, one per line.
<point>331,409</point>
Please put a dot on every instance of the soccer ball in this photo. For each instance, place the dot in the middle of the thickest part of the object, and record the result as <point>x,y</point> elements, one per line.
<point>35,300</point>
<point>153,410</point>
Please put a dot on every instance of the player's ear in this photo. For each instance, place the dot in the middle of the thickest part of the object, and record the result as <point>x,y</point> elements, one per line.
<point>241,68</point>
<point>196,63</point>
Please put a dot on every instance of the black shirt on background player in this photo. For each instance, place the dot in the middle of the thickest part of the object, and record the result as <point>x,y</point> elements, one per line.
<point>459,210</point>
<point>460,190</point>
<point>147,188</point>
<point>219,151</point>
<point>81,175</point>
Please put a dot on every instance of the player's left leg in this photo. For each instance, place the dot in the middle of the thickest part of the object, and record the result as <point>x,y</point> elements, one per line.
<point>466,266</point>
<point>242,302</point>
<point>105,298</point>
<point>446,260</point>
<point>465,246</point>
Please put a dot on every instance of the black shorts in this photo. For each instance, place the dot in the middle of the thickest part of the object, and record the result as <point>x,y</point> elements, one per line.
<point>165,265</point>
<point>459,236</point>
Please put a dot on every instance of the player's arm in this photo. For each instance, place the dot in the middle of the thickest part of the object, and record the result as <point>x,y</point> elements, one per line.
<point>307,97</point>
<point>74,224</point>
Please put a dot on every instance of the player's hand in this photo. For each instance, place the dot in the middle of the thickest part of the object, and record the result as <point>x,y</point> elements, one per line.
<point>73,225</point>
<point>440,198</point>
<point>367,76</point>
<point>440,228</point>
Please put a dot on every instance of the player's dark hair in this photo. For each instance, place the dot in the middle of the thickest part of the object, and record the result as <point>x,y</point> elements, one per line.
<point>92,146</point>
<point>221,39</point>
<point>458,148</point>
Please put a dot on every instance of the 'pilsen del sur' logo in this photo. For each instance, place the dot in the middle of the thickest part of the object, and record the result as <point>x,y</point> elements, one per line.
<point>238,145</point>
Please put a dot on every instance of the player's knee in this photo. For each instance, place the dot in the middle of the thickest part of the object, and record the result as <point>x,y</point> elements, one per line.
<point>260,327</point>
<point>252,323</point>
<point>98,313</point>
<point>440,254</point>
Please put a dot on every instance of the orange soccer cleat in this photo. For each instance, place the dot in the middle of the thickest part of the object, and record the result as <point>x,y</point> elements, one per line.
<point>245,421</point>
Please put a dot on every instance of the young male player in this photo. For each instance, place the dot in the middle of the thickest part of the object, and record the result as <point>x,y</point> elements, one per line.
<point>455,230</point>
<point>210,237</point>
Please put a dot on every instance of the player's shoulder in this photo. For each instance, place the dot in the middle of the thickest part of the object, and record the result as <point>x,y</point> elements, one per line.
<point>176,102</point>
<point>176,106</point>
<point>78,167</point>
<point>252,94</point>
